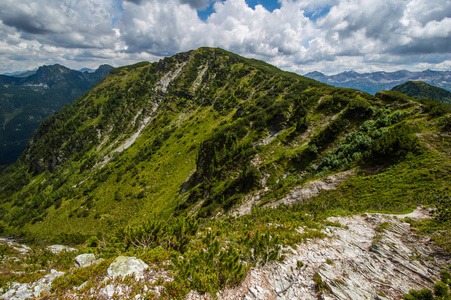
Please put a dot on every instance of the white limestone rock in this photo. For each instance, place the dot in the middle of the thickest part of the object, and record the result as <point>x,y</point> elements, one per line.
<point>84,260</point>
<point>125,265</point>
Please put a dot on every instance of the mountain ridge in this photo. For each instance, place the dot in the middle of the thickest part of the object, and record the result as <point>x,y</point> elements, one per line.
<point>26,101</point>
<point>377,81</point>
<point>419,89</point>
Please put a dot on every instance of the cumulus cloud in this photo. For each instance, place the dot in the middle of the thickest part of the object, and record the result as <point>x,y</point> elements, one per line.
<point>197,4</point>
<point>329,35</point>
<point>68,24</point>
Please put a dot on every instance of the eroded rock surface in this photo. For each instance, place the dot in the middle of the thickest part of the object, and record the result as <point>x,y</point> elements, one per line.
<point>297,195</point>
<point>20,291</point>
<point>372,256</point>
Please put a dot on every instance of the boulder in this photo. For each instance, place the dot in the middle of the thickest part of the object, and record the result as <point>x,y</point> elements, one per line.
<point>125,265</point>
<point>56,249</point>
<point>84,260</point>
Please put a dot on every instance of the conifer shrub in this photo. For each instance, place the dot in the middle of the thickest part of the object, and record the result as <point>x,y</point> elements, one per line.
<point>440,289</point>
<point>434,108</point>
<point>394,145</point>
<point>424,294</point>
<point>446,124</point>
<point>358,108</point>
<point>329,134</point>
<point>211,269</point>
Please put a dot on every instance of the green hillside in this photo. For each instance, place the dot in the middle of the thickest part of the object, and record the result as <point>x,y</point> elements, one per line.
<point>419,89</point>
<point>204,129</point>
<point>158,158</point>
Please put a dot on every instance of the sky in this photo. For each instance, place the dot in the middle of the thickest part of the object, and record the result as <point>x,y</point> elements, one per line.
<point>301,36</point>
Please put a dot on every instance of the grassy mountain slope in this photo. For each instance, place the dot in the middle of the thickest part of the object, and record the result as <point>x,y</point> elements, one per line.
<point>419,89</point>
<point>202,132</point>
<point>26,101</point>
<point>155,159</point>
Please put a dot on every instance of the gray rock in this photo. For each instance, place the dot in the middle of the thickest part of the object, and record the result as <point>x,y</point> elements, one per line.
<point>56,249</point>
<point>108,291</point>
<point>45,283</point>
<point>82,286</point>
<point>84,260</point>
<point>21,291</point>
<point>124,265</point>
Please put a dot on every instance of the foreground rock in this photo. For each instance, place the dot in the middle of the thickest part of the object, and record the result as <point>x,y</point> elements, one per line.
<point>372,256</point>
<point>85,260</point>
<point>56,249</point>
<point>19,291</point>
<point>124,266</point>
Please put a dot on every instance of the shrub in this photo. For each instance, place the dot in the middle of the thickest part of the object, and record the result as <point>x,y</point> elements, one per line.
<point>446,123</point>
<point>445,276</point>
<point>394,145</point>
<point>93,242</point>
<point>440,289</point>
<point>358,108</point>
<point>424,294</point>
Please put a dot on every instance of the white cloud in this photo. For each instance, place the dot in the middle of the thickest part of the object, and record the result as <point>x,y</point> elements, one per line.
<point>303,35</point>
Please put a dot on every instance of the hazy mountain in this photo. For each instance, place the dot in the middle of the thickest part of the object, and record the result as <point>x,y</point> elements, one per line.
<point>26,101</point>
<point>419,89</point>
<point>378,81</point>
<point>207,164</point>
<point>21,74</point>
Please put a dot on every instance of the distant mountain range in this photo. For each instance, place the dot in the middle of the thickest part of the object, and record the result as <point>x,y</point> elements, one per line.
<point>419,89</point>
<point>379,81</point>
<point>21,74</point>
<point>25,101</point>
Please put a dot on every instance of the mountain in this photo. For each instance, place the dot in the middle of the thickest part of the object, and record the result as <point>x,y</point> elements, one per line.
<point>86,70</point>
<point>26,101</point>
<point>21,74</point>
<point>419,89</point>
<point>228,177</point>
<point>378,81</point>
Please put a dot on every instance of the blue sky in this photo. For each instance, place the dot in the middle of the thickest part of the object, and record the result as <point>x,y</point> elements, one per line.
<point>269,5</point>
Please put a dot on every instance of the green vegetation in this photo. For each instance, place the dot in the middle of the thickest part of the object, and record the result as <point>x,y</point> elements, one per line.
<point>422,90</point>
<point>442,290</point>
<point>154,161</point>
<point>26,102</point>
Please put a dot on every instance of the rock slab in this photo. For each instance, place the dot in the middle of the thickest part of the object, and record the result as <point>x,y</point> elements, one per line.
<point>124,266</point>
<point>22,291</point>
<point>84,260</point>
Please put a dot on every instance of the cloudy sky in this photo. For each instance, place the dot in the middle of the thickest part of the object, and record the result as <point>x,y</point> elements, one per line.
<point>330,36</point>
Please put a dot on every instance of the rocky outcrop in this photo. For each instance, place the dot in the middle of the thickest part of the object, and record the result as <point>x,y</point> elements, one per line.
<point>372,256</point>
<point>19,291</point>
<point>300,194</point>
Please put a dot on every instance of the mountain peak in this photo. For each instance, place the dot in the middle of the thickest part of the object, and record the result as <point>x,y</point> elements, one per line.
<point>314,74</point>
<point>420,89</point>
